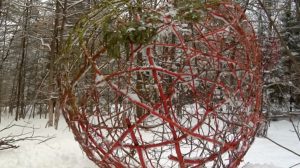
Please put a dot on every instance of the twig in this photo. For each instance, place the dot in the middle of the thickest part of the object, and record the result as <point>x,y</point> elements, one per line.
<point>8,142</point>
<point>282,146</point>
<point>10,125</point>
<point>47,139</point>
<point>295,129</point>
<point>294,165</point>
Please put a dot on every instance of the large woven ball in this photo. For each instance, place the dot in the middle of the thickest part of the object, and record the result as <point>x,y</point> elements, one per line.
<point>165,85</point>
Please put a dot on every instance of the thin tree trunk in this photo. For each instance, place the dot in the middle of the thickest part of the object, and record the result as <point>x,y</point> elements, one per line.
<point>139,85</point>
<point>12,97</point>
<point>33,112</point>
<point>63,22</point>
<point>297,2</point>
<point>57,114</point>
<point>1,4</point>
<point>20,112</point>
<point>41,111</point>
<point>52,57</point>
<point>2,98</point>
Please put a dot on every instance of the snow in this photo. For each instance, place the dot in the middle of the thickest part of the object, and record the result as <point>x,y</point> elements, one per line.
<point>273,18</point>
<point>130,29</point>
<point>265,152</point>
<point>64,152</point>
<point>260,166</point>
<point>100,80</point>
<point>171,13</point>
<point>294,53</point>
<point>60,152</point>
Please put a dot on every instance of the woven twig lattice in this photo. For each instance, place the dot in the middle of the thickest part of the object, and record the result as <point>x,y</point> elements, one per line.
<point>188,96</point>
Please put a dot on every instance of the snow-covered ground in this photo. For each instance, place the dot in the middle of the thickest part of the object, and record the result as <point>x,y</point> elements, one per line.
<point>265,152</point>
<point>60,152</point>
<point>64,152</point>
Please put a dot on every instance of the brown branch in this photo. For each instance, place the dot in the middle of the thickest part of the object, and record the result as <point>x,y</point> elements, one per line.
<point>9,141</point>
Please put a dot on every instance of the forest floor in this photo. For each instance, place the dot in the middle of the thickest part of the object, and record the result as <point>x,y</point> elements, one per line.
<point>64,152</point>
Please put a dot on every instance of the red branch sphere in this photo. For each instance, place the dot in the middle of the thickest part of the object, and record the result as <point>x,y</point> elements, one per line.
<point>189,95</point>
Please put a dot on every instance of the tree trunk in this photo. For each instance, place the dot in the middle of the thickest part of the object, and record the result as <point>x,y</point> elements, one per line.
<point>41,110</point>
<point>52,57</point>
<point>139,84</point>
<point>0,8</point>
<point>63,22</point>
<point>21,71</point>
<point>297,2</point>
<point>57,114</point>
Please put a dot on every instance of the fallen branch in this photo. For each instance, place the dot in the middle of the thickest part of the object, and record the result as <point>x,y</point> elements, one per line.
<point>295,129</point>
<point>282,146</point>
<point>294,165</point>
<point>9,141</point>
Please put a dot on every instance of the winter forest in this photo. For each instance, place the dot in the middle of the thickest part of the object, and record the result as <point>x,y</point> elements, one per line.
<point>150,83</point>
